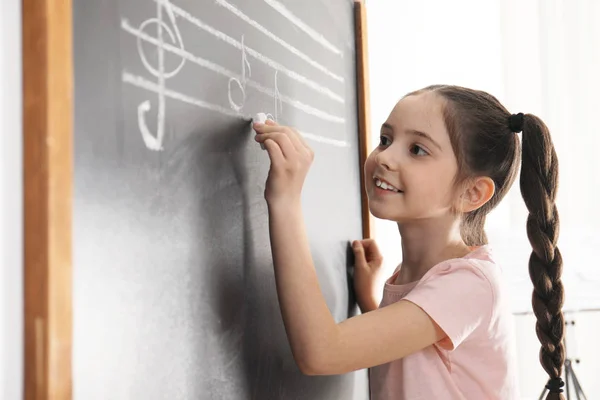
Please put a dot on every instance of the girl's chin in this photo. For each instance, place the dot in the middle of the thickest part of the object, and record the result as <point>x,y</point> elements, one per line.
<point>383,211</point>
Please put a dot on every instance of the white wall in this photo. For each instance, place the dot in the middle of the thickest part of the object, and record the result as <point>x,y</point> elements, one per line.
<point>11,280</point>
<point>465,42</point>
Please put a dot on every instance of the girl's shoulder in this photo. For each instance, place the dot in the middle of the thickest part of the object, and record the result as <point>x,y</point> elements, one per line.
<point>480,261</point>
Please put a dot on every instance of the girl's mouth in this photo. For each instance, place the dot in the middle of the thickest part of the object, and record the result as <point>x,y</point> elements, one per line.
<point>384,186</point>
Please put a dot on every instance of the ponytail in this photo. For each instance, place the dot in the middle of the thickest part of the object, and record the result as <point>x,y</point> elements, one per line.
<point>539,181</point>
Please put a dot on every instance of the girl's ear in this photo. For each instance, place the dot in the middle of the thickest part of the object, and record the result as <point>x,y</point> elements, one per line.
<point>476,193</point>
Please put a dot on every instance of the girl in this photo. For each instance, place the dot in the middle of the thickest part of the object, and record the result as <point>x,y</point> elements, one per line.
<point>446,157</point>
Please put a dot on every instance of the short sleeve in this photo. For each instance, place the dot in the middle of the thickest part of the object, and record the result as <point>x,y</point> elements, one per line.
<point>458,296</point>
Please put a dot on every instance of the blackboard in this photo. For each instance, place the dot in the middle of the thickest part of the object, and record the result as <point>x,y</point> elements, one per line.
<point>173,287</point>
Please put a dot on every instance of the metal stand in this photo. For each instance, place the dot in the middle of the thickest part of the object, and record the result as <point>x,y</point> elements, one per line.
<point>569,376</point>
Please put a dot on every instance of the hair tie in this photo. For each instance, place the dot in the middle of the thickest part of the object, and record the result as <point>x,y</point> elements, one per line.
<point>515,122</point>
<point>555,385</point>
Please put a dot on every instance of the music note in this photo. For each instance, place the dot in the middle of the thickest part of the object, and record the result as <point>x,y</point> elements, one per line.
<point>277,98</point>
<point>278,102</point>
<point>154,142</point>
<point>241,85</point>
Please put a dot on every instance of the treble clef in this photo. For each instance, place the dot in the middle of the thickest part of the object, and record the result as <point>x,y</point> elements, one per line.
<point>154,142</point>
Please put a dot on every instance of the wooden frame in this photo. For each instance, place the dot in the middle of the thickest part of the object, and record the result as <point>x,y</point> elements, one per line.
<point>47,168</point>
<point>364,107</point>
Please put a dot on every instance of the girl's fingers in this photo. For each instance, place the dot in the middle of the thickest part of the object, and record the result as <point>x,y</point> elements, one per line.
<point>373,256</point>
<point>371,250</point>
<point>294,138</point>
<point>359,254</point>
<point>301,139</point>
<point>297,139</point>
<point>275,153</point>
<point>268,126</point>
<point>271,126</point>
<point>283,141</point>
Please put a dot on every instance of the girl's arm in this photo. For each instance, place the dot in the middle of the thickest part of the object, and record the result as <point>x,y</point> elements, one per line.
<point>367,304</point>
<point>320,346</point>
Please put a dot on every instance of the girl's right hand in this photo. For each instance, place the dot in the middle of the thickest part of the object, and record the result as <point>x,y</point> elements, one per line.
<point>368,274</point>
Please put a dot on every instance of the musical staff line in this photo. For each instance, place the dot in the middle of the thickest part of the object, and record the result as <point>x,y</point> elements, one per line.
<point>277,39</point>
<point>316,36</point>
<point>323,139</point>
<point>260,57</point>
<point>144,83</point>
<point>125,25</point>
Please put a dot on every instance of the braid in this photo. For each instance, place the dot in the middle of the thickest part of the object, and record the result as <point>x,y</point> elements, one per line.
<point>539,181</point>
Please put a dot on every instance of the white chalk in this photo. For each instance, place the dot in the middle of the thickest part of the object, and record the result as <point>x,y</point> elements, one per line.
<point>260,118</point>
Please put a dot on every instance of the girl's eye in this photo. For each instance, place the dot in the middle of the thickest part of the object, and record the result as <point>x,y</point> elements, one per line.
<point>418,150</point>
<point>384,141</point>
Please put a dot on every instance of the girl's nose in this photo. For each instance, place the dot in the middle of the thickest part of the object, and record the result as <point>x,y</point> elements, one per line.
<point>385,160</point>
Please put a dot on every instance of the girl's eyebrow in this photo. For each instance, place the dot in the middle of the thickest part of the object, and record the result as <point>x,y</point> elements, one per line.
<point>424,135</point>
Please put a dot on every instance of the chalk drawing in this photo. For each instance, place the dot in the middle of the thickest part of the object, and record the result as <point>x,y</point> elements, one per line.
<point>236,81</point>
<point>126,26</point>
<point>144,83</point>
<point>154,142</point>
<point>275,38</point>
<point>316,36</point>
<point>241,85</point>
<point>250,51</point>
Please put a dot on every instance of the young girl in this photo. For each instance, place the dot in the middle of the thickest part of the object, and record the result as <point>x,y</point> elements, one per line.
<point>446,157</point>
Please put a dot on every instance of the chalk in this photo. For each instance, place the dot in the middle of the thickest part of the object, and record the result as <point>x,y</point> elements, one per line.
<point>260,118</point>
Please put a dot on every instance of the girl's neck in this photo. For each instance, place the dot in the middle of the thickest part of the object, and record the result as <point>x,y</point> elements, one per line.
<point>426,243</point>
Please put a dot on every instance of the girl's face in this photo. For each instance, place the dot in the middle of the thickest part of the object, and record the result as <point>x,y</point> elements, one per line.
<point>416,158</point>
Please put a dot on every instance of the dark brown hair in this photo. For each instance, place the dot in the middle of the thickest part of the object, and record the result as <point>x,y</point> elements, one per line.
<point>485,145</point>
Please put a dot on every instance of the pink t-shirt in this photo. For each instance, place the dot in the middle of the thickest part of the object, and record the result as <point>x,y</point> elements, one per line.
<point>477,360</point>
